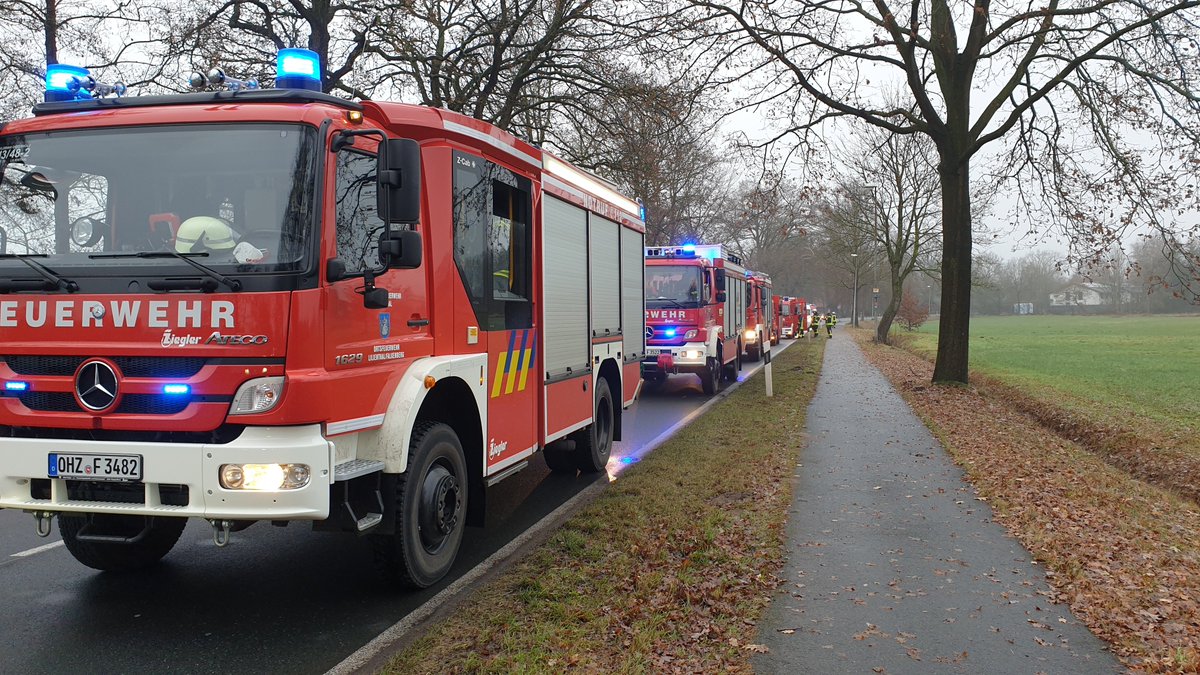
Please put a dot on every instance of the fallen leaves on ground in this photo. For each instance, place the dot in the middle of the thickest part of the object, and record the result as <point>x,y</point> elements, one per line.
<point>1122,551</point>
<point>668,571</point>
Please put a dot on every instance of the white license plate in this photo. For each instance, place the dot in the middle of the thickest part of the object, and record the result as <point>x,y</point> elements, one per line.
<point>653,351</point>
<point>94,467</point>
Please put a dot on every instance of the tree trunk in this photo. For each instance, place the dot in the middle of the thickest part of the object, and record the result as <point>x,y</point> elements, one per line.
<point>893,307</point>
<point>954,326</point>
<point>51,26</point>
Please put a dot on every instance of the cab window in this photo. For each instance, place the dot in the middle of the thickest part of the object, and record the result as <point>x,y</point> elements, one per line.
<point>493,241</point>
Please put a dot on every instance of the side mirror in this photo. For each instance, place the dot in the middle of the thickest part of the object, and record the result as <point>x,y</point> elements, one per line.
<point>720,296</point>
<point>720,279</point>
<point>3,241</point>
<point>400,249</point>
<point>399,181</point>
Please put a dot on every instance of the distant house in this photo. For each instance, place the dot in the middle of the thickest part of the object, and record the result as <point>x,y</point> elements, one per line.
<point>1086,297</point>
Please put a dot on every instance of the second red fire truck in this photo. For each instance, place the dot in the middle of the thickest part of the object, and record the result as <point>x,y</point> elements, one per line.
<point>695,308</point>
<point>274,304</point>
<point>761,330</point>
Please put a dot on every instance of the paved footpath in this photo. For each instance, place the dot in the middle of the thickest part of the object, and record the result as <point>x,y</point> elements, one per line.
<point>893,564</point>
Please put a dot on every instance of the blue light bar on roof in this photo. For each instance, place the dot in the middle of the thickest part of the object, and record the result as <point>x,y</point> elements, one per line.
<point>298,69</point>
<point>62,82</point>
<point>689,248</point>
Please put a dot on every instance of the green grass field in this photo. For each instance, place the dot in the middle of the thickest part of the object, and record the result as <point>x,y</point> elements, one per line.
<point>1133,369</point>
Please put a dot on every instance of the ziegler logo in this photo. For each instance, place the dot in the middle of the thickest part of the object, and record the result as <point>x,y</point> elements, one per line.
<point>496,449</point>
<point>170,339</point>
<point>218,339</point>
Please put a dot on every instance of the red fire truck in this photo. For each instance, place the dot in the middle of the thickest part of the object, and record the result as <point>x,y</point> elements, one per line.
<point>791,316</point>
<point>694,300</point>
<point>761,330</point>
<point>274,304</point>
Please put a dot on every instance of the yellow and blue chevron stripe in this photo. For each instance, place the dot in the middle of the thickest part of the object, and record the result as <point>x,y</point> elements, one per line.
<point>512,369</point>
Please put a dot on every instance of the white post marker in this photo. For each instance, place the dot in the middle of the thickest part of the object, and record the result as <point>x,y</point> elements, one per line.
<point>767,369</point>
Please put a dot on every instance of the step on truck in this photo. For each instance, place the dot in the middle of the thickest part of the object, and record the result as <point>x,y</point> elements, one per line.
<point>761,330</point>
<point>248,304</point>
<point>695,298</point>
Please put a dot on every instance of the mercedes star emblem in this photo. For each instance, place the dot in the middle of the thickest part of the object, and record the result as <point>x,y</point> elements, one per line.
<point>649,331</point>
<point>96,385</point>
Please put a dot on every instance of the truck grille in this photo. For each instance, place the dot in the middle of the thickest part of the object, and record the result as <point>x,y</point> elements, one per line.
<point>170,494</point>
<point>131,366</point>
<point>131,404</point>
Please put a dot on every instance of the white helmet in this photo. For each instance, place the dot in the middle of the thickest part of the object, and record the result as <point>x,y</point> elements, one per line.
<point>214,233</point>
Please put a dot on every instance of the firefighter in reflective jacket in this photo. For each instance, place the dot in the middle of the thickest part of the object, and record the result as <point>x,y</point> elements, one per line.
<point>830,322</point>
<point>814,322</point>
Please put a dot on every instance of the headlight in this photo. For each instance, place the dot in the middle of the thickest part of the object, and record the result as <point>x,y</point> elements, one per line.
<point>257,396</point>
<point>751,333</point>
<point>264,477</point>
<point>690,335</point>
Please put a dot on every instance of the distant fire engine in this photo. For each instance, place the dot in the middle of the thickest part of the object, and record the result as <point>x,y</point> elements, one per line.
<point>793,319</point>
<point>274,304</point>
<point>695,297</point>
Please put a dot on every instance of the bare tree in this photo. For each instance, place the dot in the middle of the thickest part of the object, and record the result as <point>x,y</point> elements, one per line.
<point>1061,83</point>
<point>37,33</point>
<point>891,202</point>
<point>245,36</point>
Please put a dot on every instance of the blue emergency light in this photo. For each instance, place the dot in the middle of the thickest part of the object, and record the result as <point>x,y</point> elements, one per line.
<point>670,332</point>
<point>176,389</point>
<point>298,69</point>
<point>16,386</point>
<point>689,248</point>
<point>62,82</point>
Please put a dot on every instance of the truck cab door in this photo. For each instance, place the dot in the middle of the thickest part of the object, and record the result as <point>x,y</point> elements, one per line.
<point>368,348</point>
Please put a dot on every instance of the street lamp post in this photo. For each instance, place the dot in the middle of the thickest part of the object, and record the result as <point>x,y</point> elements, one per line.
<point>854,305</point>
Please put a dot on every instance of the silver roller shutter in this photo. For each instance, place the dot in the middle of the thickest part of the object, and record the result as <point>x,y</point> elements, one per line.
<point>604,256</point>
<point>633,310</point>
<point>565,287</point>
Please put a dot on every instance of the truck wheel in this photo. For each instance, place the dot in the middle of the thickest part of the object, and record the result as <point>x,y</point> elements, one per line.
<point>730,370</point>
<point>593,445</point>
<point>152,539</point>
<point>710,379</point>
<point>559,456</point>
<point>431,508</point>
<point>754,352</point>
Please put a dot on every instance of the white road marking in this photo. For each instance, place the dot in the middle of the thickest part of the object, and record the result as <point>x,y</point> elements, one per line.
<point>360,658</point>
<point>39,549</point>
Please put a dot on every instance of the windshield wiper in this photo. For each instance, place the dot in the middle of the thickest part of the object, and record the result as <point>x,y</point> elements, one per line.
<point>673,301</point>
<point>53,281</point>
<point>233,284</point>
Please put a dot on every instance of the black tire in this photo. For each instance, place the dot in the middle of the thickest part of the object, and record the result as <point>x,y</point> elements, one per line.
<point>593,444</point>
<point>431,510</point>
<point>560,456</point>
<point>754,352</point>
<point>710,379</point>
<point>730,370</point>
<point>158,541</point>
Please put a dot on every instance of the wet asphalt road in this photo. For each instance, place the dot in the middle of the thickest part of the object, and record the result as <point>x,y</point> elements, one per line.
<point>275,600</point>
<point>893,564</point>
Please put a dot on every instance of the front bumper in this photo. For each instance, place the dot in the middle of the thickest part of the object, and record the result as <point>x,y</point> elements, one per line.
<point>691,357</point>
<point>193,465</point>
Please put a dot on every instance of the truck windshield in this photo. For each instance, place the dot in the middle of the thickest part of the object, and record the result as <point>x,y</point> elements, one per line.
<point>238,198</point>
<point>673,286</point>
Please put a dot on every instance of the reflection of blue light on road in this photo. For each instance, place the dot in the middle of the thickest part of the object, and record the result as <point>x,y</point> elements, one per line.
<point>629,460</point>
